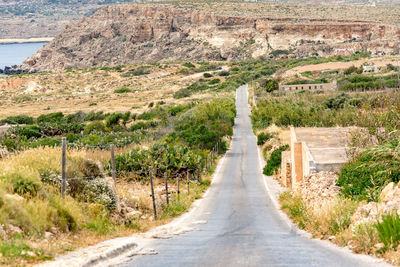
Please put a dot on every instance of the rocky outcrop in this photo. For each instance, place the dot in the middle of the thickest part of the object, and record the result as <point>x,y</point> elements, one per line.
<point>371,212</point>
<point>151,33</point>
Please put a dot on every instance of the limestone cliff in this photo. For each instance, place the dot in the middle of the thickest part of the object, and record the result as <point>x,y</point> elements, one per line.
<point>150,33</point>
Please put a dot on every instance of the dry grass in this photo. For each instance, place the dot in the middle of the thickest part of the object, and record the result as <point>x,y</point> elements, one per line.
<point>93,90</point>
<point>36,215</point>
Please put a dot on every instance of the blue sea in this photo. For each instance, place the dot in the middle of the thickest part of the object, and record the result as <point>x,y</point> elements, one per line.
<point>15,54</point>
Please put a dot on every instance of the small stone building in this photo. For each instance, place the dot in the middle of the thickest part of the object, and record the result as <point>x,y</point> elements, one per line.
<point>311,87</point>
<point>313,150</point>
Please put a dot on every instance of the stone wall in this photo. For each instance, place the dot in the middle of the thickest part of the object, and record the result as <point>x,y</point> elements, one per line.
<point>311,87</point>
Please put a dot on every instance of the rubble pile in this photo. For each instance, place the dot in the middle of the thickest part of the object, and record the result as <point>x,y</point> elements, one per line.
<point>320,186</point>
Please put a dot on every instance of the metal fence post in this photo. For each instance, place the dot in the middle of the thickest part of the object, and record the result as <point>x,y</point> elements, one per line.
<point>63,166</point>
<point>166,187</point>
<point>152,194</point>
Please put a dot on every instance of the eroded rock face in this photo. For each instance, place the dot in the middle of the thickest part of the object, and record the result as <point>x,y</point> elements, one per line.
<point>152,33</point>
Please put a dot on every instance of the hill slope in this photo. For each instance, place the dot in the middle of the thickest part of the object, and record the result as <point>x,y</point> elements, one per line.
<point>132,33</point>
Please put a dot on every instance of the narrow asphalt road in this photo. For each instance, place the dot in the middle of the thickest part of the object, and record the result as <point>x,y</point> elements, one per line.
<point>237,224</point>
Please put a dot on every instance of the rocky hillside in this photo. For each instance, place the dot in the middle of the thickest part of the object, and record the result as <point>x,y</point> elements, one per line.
<point>165,32</point>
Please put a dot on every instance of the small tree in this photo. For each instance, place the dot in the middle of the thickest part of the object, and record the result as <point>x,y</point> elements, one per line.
<point>271,85</point>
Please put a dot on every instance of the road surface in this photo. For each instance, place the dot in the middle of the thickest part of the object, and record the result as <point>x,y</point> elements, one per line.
<point>238,225</point>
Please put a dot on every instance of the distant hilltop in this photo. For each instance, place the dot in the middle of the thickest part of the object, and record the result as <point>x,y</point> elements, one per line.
<point>135,33</point>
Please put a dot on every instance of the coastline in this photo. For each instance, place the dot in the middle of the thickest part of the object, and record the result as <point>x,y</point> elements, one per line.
<point>27,40</point>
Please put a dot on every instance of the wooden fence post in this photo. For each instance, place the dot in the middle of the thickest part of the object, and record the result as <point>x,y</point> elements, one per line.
<point>152,194</point>
<point>198,174</point>
<point>177,183</point>
<point>166,187</point>
<point>113,171</point>
<point>187,179</point>
<point>63,166</point>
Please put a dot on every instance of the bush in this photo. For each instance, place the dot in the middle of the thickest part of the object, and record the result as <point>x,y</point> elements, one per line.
<point>99,191</point>
<point>164,155</point>
<point>389,230</point>
<point>21,119</point>
<point>270,85</point>
<point>365,177</point>
<point>143,125</point>
<point>60,128</point>
<point>296,209</point>
<point>353,69</point>
<point>339,101</point>
<point>279,52</point>
<point>204,125</point>
<point>224,73</point>
<point>23,184</point>
<point>52,117</point>
<point>30,131</point>
<point>214,81</point>
<point>97,126</point>
<point>262,138</point>
<point>189,65</point>
<point>64,220</point>
<point>113,120</point>
<point>123,90</point>
<point>274,162</point>
<point>207,75</point>
<point>188,91</point>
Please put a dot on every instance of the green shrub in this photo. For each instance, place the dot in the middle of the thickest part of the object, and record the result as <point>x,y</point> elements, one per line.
<point>224,73</point>
<point>274,162</point>
<point>140,71</point>
<point>164,155</point>
<point>189,65</point>
<point>270,85</point>
<point>21,119</point>
<point>352,69</point>
<point>339,101</point>
<point>296,209</point>
<point>143,125</point>
<point>188,91</point>
<point>64,219</point>
<point>365,177</point>
<point>23,184</point>
<point>52,117</point>
<point>97,126</point>
<point>262,138</point>
<point>214,81</point>
<point>113,120</point>
<point>278,52</point>
<point>204,125</point>
<point>123,90</point>
<point>30,131</point>
<point>47,141</point>
<point>207,75</point>
<point>389,230</point>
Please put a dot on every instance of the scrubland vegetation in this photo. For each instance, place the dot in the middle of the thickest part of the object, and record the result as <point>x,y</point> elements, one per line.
<point>168,138</point>
<point>174,134</point>
<point>373,158</point>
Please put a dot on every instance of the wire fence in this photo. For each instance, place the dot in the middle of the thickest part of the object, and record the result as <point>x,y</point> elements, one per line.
<point>188,175</point>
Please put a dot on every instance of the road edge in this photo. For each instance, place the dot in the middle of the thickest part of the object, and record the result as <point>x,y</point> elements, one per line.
<point>272,187</point>
<point>112,249</point>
